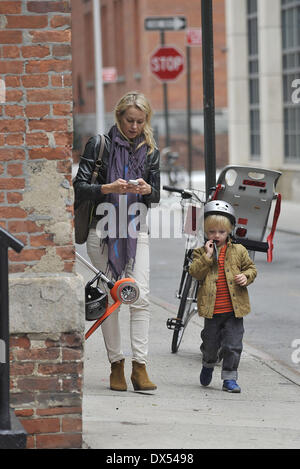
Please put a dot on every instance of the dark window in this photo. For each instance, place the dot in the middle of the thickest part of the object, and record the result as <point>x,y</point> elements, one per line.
<point>290,17</point>
<point>253,68</point>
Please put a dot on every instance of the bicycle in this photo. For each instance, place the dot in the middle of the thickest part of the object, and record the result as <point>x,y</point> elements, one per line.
<point>170,167</point>
<point>188,286</point>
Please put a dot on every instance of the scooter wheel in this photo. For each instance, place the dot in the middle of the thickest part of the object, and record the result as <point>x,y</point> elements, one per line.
<point>128,292</point>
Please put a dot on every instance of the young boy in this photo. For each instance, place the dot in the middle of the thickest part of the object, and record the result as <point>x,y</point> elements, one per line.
<point>224,270</point>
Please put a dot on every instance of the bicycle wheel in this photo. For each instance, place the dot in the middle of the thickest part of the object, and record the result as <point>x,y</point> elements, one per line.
<point>187,308</point>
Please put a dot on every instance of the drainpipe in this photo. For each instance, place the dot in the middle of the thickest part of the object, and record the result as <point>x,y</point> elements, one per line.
<point>99,95</point>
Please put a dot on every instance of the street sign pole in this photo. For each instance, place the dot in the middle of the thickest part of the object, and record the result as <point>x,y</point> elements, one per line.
<point>165,98</point>
<point>189,127</point>
<point>208,94</point>
<point>162,24</point>
<point>193,38</point>
<point>166,63</point>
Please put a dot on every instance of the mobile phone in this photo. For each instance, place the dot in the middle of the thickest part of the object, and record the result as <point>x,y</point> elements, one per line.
<point>215,250</point>
<point>133,181</point>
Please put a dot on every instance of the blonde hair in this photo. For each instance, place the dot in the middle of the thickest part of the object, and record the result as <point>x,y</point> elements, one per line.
<point>138,100</point>
<point>217,222</point>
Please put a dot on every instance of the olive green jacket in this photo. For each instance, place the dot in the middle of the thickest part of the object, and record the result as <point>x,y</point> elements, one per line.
<point>205,269</point>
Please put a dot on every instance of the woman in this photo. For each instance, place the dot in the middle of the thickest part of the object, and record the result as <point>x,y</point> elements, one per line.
<point>130,154</point>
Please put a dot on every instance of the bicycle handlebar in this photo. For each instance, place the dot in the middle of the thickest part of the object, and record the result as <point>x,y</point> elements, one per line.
<point>185,193</point>
<point>173,189</point>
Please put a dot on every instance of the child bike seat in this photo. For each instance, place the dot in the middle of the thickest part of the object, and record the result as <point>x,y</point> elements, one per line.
<point>251,191</point>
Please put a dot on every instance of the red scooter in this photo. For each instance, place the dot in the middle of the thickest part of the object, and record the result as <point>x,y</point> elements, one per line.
<point>97,309</point>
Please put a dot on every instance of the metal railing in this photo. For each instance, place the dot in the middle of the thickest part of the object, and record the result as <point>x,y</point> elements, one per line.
<point>12,435</point>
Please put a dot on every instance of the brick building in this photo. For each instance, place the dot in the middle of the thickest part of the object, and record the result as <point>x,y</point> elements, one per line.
<point>127,46</point>
<point>36,206</point>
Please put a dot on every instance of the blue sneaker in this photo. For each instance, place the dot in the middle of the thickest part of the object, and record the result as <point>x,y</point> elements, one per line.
<point>230,385</point>
<point>206,376</point>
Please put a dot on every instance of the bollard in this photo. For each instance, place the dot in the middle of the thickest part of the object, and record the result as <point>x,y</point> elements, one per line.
<point>12,434</point>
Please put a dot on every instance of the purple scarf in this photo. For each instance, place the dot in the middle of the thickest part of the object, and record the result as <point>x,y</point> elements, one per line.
<point>127,163</point>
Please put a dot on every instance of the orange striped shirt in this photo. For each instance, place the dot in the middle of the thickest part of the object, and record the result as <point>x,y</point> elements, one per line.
<point>223,302</point>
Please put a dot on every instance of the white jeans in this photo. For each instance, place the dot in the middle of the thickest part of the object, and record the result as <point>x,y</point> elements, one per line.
<point>139,311</point>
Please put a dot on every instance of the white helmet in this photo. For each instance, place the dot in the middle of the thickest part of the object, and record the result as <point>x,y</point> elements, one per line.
<point>220,207</point>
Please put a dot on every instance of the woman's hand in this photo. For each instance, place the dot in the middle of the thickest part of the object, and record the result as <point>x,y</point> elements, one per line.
<point>120,186</point>
<point>142,188</point>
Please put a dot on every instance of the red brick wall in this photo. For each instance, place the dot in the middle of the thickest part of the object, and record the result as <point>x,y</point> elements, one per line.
<point>36,206</point>
<point>46,381</point>
<point>36,119</point>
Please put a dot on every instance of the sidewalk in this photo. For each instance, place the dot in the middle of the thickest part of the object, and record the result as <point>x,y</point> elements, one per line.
<point>181,414</point>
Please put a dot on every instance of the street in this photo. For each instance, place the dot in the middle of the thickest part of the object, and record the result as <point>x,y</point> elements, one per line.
<point>273,324</point>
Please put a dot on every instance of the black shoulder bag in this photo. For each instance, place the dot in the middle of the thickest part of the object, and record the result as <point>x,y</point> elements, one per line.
<point>82,213</point>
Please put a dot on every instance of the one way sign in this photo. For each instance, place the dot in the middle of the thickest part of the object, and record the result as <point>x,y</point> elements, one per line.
<point>161,23</point>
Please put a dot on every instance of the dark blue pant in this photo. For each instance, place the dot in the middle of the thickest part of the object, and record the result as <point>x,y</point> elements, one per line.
<point>223,334</point>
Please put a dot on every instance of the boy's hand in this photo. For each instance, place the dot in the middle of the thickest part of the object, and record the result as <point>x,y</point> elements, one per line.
<point>241,280</point>
<point>209,248</point>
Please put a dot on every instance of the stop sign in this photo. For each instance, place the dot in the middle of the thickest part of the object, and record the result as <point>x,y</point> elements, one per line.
<point>167,63</point>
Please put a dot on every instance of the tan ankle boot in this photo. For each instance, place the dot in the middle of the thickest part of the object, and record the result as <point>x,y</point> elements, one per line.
<point>117,377</point>
<point>140,379</point>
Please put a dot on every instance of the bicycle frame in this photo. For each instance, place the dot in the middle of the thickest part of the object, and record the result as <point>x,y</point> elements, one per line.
<point>190,227</point>
<point>188,286</point>
<point>186,262</point>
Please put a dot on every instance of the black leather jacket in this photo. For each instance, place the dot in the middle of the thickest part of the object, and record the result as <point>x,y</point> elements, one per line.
<point>86,191</point>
